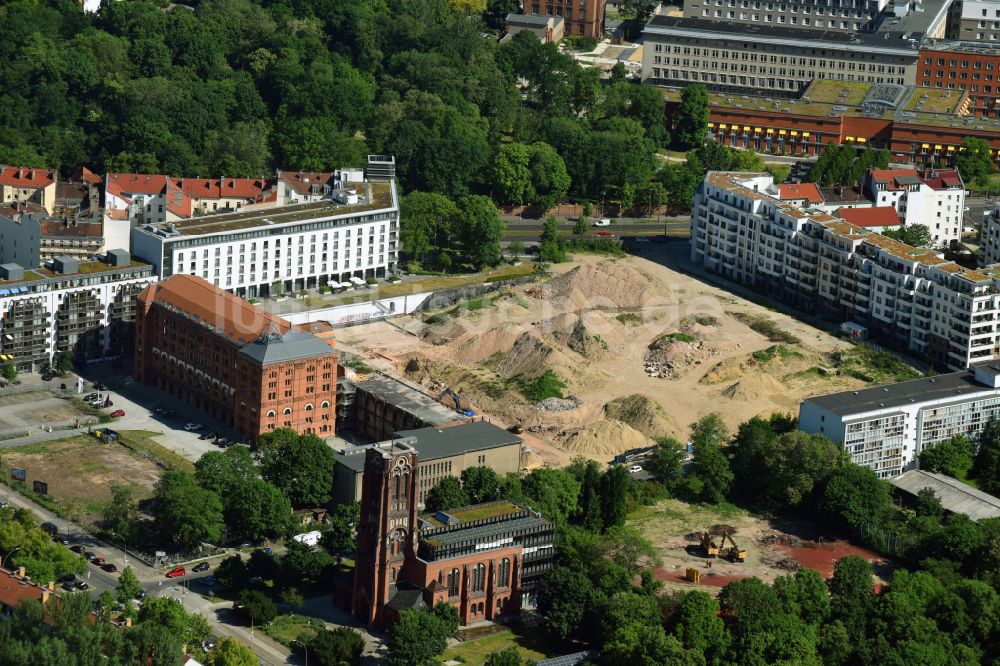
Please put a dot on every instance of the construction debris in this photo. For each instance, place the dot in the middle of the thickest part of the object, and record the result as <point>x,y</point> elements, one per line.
<point>558,404</point>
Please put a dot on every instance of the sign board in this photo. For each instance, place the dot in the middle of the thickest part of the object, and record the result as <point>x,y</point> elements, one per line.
<point>161,553</point>
<point>40,487</point>
<point>18,474</point>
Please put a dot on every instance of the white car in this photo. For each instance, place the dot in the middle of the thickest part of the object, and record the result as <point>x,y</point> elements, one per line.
<point>191,427</point>
<point>603,222</point>
<point>635,469</point>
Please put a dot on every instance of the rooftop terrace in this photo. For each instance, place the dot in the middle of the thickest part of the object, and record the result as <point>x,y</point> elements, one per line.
<point>85,268</point>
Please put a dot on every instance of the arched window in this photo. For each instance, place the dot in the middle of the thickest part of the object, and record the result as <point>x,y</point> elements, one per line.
<point>309,407</point>
<point>453,583</point>
<point>288,410</point>
<point>325,404</point>
<point>478,577</point>
<point>503,575</point>
<point>271,414</point>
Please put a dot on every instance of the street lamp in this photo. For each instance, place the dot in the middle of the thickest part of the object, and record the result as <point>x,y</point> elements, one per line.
<point>7,556</point>
<point>124,546</point>
<point>305,649</point>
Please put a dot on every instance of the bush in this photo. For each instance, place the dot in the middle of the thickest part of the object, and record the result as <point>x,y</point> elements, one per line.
<point>765,327</point>
<point>256,606</point>
<point>546,385</point>
<point>667,338</point>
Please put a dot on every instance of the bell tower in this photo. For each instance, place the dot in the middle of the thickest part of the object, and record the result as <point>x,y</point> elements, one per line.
<point>386,532</point>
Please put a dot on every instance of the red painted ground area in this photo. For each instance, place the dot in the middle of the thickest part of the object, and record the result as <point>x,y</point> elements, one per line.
<point>706,579</point>
<point>824,556</point>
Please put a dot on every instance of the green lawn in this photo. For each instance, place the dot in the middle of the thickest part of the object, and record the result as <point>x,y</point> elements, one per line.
<point>287,628</point>
<point>532,644</point>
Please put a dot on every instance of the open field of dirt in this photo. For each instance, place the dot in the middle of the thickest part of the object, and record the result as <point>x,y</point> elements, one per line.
<point>80,472</point>
<point>773,549</point>
<point>645,349</point>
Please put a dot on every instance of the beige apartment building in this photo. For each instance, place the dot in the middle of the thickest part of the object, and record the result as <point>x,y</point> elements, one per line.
<point>27,185</point>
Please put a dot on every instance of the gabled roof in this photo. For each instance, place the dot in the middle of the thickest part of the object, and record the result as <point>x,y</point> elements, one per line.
<point>808,191</point>
<point>178,202</point>
<point>955,496</point>
<point>220,188</point>
<point>943,180</point>
<point>882,216</point>
<point>290,346</point>
<point>303,181</point>
<point>26,177</point>
<point>56,229</point>
<point>891,177</point>
<point>123,184</point>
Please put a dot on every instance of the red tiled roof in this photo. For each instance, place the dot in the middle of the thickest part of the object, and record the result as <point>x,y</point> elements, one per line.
<point>26,177</point>
<point>883,216</point>
<point>302,181</point>
<point>178,202</point>
<point>83,174</point>
<point>55,228</point>
<point>807,191</point>
<point>888,176</point>
<point>219,188</point>
<point>941,180</point>
<point>120,184</point>
<point>14,590</point>
<point>224,314</point>
<point>14,209</point>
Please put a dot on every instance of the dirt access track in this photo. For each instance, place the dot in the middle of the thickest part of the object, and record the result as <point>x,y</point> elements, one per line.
<point>646,350</point>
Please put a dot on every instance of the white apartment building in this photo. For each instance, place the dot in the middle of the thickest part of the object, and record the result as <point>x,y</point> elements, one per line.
<point>85,308</point>
<point>885,428</point>
<point>989,238</point>
<point>352,232</point>
<point>935,199</point>
<point>819,263</point>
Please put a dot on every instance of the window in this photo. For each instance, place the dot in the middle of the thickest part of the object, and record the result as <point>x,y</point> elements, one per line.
<point>288,410</point>
<point>479,577</point>
<point>503,574</point>
<point>271,414</point>
<point>453,583</point>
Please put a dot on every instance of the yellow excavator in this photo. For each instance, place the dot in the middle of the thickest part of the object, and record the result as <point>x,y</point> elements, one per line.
<point>733,552</point>
<point>708,545</point>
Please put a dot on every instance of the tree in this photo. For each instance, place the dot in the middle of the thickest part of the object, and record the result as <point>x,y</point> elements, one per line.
<point>481,484</point>
<point>258,510</point>
<point>300,465</point>
<point>302,565</point>
<point>928,503</point>
<point>448,615</point>
<point>224,471</point>
<point>590,515</point>
<point>917,235</point>
<point>851,595</point>
<point>974,160</point>
<point>553,492</point>
<point>340,539</point>
<point>854,496</point>
<point>681,180</point>
<point>426,221</point>
<point>580,226</point>
<point>446,494</point>
<point>128,586</point>
<point>336,647</point>
<point>168,613</point>
<point>987,465</point>
<point>64,362</point>
<point>952,457</point>
<point>512,173</point>
<point>507,657</point>
<point>256,606</point>
<point>697,625</point>
<point>186,512</point>
<point>479,230</point>
<point>549,179</point>
<point>8,371</point>
<point>804,594</point>
<point>120,511</point>
<point>232,573</point>
<point>497,11</point>
<point>550,245</point>
<point>636,9</point>
<point>416,638</point>
<point>615,485</point>
<point>710,463</point>
<point>231,652</point>
<point>692,117</point>
<point>564,597</point>
<point>666,461</point>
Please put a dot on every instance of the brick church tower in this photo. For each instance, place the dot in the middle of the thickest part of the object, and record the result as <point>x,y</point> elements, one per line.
<point>386,532</point>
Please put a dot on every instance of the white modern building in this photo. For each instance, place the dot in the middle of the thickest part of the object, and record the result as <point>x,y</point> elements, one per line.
<point>989,238</point>
<point>351,231</point>
<point>85,308</point>
<point>935,199</point>
<point>910,297</point>
<point>886,427</point>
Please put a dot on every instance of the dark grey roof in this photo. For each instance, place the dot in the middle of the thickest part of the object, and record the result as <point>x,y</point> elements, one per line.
<point>955,496</point>
<point>485,533</point>
<point>407,600</point>
<point>434,443</point>
<point>531,20</point>
<point>953,386</point>
<point>292,345</point>
<point>908,180</point>
<point>570,659</point>
<point>409,399</point>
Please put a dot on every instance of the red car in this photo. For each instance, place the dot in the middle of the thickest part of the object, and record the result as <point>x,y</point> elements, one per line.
<point>99,561</point>
<point>605,234</point>
<point>176,572</point>
<point>118,413</point>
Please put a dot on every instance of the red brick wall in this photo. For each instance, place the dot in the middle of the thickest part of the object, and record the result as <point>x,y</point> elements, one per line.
<point>935,70</point>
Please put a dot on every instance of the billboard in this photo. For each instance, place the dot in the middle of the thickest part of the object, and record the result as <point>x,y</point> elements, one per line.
<point>18,474</point>
<point>40,488</point>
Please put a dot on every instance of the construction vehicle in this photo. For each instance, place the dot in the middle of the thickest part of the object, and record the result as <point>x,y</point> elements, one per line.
<point>464,411</point>
<point>708,545</point>
<point>733,552</point>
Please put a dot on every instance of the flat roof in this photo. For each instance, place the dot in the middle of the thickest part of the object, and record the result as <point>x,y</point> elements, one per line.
<point>410,399</point>
<point>952,386</point>
<point>955,496</point>
<point>483,533</point>
<point>466,514</point>
<point>84,268</point>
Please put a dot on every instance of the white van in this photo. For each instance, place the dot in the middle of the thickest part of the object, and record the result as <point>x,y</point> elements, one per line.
<point>603,222</point>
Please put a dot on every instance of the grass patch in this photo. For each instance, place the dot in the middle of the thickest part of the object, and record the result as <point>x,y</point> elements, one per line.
<point>765,327</point>
<point>775,351</point>
<point>532,645</point>
<point>141,442</point>
<point>667,338</point>
<point>874,366</point>
<point>814,372</point>
<point>358,366</point>
<point>545,385</point>
<point>86,407</point>
<point>605,246</point>
<point>630,318</point>
<point>706,320</point>
<point>287,628</point>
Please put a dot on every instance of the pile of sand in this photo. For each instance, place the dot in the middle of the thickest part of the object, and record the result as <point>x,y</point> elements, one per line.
<point>607,284</point>
<point>753,387</point>
<point>725,371</point>
<point>472,347</point>
<point>642,413</point>
<point>531,460</point>
<point>605,439</point>
<point>527,356</point>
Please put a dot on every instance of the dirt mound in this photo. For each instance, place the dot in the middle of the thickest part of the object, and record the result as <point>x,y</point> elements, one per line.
<point>477,346</point>
<point>604,285</point>
<point>724,371</point>
<point>531,460</point>
<point>753,387</point>
<point>605,439</point>
<point>642,413</point>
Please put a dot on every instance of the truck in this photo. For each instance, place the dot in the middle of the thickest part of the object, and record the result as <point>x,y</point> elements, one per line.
<point>708,545</point>
<point>732,552</point>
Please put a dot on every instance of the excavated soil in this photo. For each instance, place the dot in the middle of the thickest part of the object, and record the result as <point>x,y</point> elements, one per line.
<point>644,414</point>
<point>606,438</point>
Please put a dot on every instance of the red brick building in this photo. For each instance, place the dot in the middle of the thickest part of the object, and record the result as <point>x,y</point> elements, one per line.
<point>582,17</point>
<point>969,66</point>
<point>485,560</point>
<point>248,368</point>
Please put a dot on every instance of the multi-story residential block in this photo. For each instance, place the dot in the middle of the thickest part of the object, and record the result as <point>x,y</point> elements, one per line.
<point>151,198</point>
<point>248,368</point>
<point>935,199</point>
<point>581,17</point>
<point>846,16</point>
<point>352,233</point>
<point>886,427</point>
<point>910,296</point>
<point>484,560</point>
<point>974,20</point>
<point>28,185</point>
<point>87,309</point>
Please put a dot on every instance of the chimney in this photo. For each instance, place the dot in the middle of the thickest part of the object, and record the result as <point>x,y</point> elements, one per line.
<point>20,572</point>
<point>128,621</point>
<point>31,174</point>
<point>51,585</point>
<point>46,594</point>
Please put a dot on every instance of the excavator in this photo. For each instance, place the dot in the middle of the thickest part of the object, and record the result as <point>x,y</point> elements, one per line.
<point>708,545</point>
<point>464,411</point>
<point>733,552</point>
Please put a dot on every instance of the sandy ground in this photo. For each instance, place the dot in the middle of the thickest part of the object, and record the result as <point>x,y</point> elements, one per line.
<point>35,409</point>
<point>599,324</point>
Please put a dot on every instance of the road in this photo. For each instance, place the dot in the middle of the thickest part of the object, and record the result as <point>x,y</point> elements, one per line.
<point>527,230</point>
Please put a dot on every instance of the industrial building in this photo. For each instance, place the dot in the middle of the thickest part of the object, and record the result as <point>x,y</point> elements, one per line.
<point>443,452</point>
<point>350,231</point>
<point>250,369</point>
<point>885,428</point>
<point>385,405</point>
<point>955,496</point>
<point>85,308</point>
<point>910,297</point>
<point>484,560</point>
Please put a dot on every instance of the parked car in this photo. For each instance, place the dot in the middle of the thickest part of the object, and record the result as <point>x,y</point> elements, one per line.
<point>191,427</point>
<point>98,560</point>
<point>201,566</point>
<point>109,567</point>
<point>89,555</point>
<point>82,585</point>
<point>635,469</point>
<point>118,413</point>
<point>176,572</point>
<point>603,222</point>
<point>92,396</point>
<point>68,578</point>
<point>141,595</point>
<point>47,376</point>
<point>605,234</point>
<point>211,434</point>
<point>77,548</point>
<point>69,586</point>
<point>222,442</point>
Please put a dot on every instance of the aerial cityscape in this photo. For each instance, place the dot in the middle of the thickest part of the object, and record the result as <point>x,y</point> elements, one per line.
<point>500,333</point>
